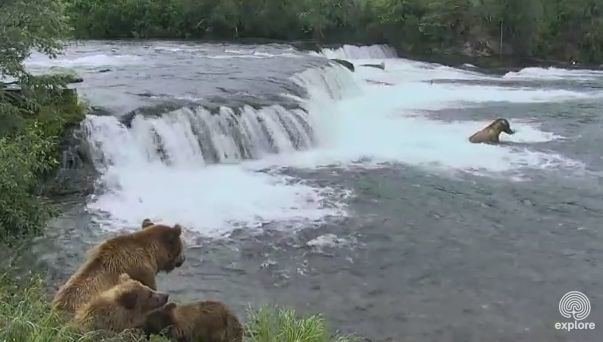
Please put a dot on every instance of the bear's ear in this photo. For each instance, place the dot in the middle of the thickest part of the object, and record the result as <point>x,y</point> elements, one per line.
<point>169,307</point>
<point>124,277</point>
<point>178,230</point>
<point>147,223</point>
<point>128,300</point>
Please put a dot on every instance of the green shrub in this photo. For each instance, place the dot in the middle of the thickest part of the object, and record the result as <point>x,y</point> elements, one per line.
<point>283,325</point>
<point>23,158</point>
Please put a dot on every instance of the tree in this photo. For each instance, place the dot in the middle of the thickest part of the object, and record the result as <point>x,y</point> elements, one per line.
<point>27,25</point>
<point>26,151</point>
<point>225,17</point>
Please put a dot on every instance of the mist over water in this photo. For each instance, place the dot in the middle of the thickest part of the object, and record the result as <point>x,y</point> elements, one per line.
<point>293,176</point>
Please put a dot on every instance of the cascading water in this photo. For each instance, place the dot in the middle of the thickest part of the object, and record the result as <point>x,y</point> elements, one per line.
<point>178,165</point>
<point>191,165</point>
<point>360,52</point>
<point>196,136</point>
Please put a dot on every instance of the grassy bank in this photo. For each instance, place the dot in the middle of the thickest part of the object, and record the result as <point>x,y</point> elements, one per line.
<point>25,316</point>
<point>33,121</point>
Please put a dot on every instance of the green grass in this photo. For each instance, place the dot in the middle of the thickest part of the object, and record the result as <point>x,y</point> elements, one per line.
<point>26,316</point>
<point>269,324</point>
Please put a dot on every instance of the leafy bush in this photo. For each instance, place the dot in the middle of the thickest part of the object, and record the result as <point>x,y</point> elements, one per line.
<point>35,112</point>
<point>22,159</point>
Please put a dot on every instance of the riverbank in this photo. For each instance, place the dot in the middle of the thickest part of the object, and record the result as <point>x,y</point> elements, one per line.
<point>531,28</point>
<point>25,316</point>
<point>37,116</point>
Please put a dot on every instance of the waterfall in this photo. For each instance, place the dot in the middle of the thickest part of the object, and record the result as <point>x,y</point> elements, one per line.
<point>194,136</point>
<point>360,52</point>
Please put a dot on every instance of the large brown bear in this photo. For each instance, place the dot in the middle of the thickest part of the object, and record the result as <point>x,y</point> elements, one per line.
<point>141,255</point>
<point>124,306</point>
<point>207,321</point>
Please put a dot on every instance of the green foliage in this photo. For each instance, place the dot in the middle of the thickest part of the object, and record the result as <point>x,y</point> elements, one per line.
<point>35,111</point>
<point>32,120</point>
<point>283,325</point>
<point>27,25</point>
<point>542,28</point>
<point>26,316</point>
<point>22,159</point>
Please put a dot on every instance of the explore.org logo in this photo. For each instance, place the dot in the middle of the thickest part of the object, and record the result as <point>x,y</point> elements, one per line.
<point>574,305</point>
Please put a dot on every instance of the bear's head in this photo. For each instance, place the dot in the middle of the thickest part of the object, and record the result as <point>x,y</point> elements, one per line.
<point>160,320</point>
<point>131,294</point>
<point>169,244</point>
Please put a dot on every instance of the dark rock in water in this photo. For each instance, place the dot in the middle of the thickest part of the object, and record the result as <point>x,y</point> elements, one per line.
<point>378,66</point>
<point>102,71</point>
<point>380,83</point>
<point>346,64</point>
<point>212,104</point>
<point>76,174</point>
<point>72,79</point>
<point>99,111</point>
<point>155,110</point>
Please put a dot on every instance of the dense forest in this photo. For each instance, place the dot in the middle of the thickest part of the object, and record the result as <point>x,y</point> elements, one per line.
<point>547,29</point>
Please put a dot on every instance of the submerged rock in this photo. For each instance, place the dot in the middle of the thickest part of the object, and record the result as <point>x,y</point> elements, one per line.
<point>348,65</point>
<point>378,66</point>
<point>76,174</point>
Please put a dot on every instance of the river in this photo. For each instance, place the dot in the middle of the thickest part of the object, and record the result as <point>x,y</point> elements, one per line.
<point>356,195</point>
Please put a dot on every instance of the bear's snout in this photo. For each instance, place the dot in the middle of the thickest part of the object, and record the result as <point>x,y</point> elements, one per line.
<point>160,299</point>
<point>180,260</point>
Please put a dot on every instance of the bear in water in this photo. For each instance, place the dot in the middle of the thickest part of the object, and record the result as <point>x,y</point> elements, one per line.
<point>490,134</point>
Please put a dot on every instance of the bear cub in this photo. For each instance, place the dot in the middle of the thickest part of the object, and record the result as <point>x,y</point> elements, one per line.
<point>206,321</point>
<point>124,306</point>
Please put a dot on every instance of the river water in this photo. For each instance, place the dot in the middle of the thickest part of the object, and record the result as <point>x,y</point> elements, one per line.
<point>356,195</point>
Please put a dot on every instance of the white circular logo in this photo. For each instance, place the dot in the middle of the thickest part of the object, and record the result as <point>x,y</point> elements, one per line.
<point>574,304</point>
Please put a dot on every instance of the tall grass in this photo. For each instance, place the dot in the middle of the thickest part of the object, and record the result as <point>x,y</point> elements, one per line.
<point>26,316</point>
<point>284,325</point>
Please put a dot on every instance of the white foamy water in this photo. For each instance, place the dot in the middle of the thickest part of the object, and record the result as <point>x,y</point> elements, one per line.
<point>203,169</point>
<point>552,73</point>
<point>208,199</point>
<point>90,61</point>
<point>212,201</point>
<point>390,124</point>
<point>327,241</point>
<point>359,52</point>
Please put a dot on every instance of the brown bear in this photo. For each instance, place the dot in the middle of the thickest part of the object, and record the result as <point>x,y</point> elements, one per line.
<point>124,306</point>
<point>490,134</point>
<point>206,321</point>
<point>141,255</point>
